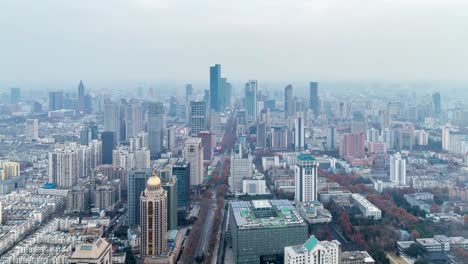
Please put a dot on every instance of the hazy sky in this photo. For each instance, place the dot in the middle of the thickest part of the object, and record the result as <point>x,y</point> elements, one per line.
<point>47,40</point>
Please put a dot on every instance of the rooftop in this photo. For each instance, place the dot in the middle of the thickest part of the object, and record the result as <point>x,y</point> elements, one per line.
<point>305,157</point>
<point>265,214</point>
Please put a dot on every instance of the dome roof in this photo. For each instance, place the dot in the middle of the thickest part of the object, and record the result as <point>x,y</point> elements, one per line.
<point>154,181</point>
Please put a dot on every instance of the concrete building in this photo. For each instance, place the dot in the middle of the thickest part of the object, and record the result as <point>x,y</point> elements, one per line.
<point>32,128</point>
<point>352,145</point>
<point>198,117</point>
<point>367,208</point>
<point>252,223</point>
<point>299,132</point>
<point>250,95</point>
<point>170,186</point>
<point>313,251</point>
<point>193,152</point>
<point>181,170</point>
<point>208,143</point>
<point>398,169</point>
<point>241,168</point>
<point>305,178</point>
<point>64,166</point>
<point>356,257</point>
<point>156,126</point>
<point>133,120</point>
<point>153,220</point>
<point>112,119</point>
<point>136,185</point>
<point>288,102</point>
<point>254,187</point>
<point>99,252</point>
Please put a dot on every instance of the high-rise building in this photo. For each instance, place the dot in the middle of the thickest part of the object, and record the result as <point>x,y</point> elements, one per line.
<point>314,99</point>
<point>80,106</point>
<point>436,104</point>
<point>85,135</point>
<point>279,137</point>
<point>181,170</point>
<point>215,88</point>
<point>112,119</point>
<point>108,144</point>
<point>156,127</point>
<point>133,120</point>
<point>226,95</point>
<point>153,220</point>
<point>288,102</point>
<point>193,152</point>
<point>314,251</point>
<point>208,144</point>
<point>352,146</point>
<point>32,128</point>
<point>299,132</point>
<point>55,101</point>
<point>332,137</point>
<point>358,124</point>
<point>188,98</point>
<point>171,137</point>
<point>136,184</point>
<point>241,168</point>
<point>261,134</point>
<point>15,95</point>
<point>170,186</point>
<point>198,117</point>
<point>64,166</point>
<point>305,178</point>
<point>251,99</point>
<point>398,169</point>
<point>142,159</point>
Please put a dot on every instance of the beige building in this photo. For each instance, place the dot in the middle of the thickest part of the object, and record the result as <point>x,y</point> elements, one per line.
<point>193,152</point>
<point>99,252</point>
<point>153,219</point>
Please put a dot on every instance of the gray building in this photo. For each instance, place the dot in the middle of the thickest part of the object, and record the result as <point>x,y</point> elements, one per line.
<point>170,186</point>
<point>181,170</point>
<point>136,184</point>
<point>260,230</point>
<point>156,127</point>
<point>198,117</point>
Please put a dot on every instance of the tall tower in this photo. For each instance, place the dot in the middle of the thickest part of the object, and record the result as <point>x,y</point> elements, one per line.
<point>32,128</point>
<point>153,222</point>
<point>133,120</point>
<point>80,106</point>
<point>251,99</point>
<point>288,102</point>
<point>314,99</point>
<point>156,126</point>
<point>436,104</point>
<point>193,152</point>
<point>198,117</point>
<point>398,169</point>
<point>299,132</point>
<point>112,119</point>
<point>215,88</point>
<point>305,178</point>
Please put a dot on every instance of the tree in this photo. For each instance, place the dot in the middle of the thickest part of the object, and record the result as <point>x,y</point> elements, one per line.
<point>415,250</point>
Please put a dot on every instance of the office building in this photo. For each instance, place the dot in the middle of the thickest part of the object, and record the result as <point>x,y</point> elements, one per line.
<point>193,152</point>
<point>252,223</point>
<point>198,117</point>
<point>156,127</point>
<point>299,132</point>
<point>98,252</point>
<point>55,101</point>
<point>261,134</point>
<point>306,175</point>
<point>32,128</point>
<point>181,170</point>
<point>136,184</point>
<point>367,209</point>
<point>241,168</point>
<point>80,96</point>
<point>170,186</point>
<point>436,105</point>
<point>251,99</point>
<point>208,140</point>
<point>108,143</point>
<point>153,222</point>
<point>171,137</point>
<point>332,137</point>
<point>142,159</point>
<point>215,88</point>
<point>112,119</point>
<point>288,102</point>
<point>279,137</point>
<point>15,95</point>
<point>356,257</point>
<point>398,169</point>
<point>352,145</point>
<point>313,251</point>
<point>314,99</point>
<point>133,120</point>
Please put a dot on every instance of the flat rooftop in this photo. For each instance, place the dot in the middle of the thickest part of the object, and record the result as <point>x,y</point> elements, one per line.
<point>265,214</point>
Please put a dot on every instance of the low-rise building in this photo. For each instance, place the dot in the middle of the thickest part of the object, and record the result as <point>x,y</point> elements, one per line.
<point>356,257</point>
<point>367,208</point>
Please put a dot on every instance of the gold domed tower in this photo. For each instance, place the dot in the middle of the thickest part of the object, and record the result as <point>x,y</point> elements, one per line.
<point>153,221</point>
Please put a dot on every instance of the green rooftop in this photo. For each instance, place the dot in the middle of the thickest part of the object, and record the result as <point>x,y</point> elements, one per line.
<point>305,157</point>
<point>310,243</point>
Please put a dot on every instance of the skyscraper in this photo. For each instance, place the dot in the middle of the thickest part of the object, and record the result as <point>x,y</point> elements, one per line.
<point>80,106</point>
<point>261,134</point>
<point>153,221</point>
<point>170,186</point>
<point>133,120</point>
<point>15,95</point>
<point>64,166</point>
<point>181,169</point>
<point>136,184</point>
<point>299,132</point>
<point>436,104</point>
<point>208,144</point>
<point>188,98</point>
<point>331,138</point>
<point>32,128</point>
<point>288,102</point>
<point>398,169</point>
<point>251,99</point>
<point>352,145</point>
<point>156,126</point>
<point>314,99</point>
<point>198,117</point>
<point>108,144</point>
<point>112,119</point>
<point>305,178</point>
<point>215,88</point>
<point>193,152</point>
<point>55,101</point>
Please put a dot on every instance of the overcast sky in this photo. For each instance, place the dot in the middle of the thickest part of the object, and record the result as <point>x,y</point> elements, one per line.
<point>43,40</point>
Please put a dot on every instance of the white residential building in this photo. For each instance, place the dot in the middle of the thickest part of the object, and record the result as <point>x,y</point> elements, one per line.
<point>398,169</point>
<point>305,178</point>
